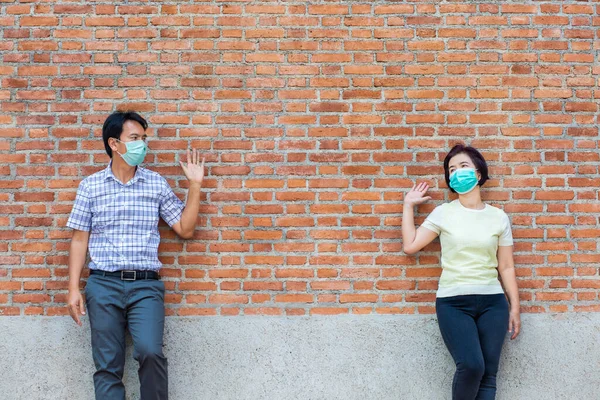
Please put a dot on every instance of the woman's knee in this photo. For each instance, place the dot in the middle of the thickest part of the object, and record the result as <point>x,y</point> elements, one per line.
<point>473,369</point>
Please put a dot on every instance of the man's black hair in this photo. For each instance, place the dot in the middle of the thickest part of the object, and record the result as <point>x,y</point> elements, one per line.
<point>113,126</point>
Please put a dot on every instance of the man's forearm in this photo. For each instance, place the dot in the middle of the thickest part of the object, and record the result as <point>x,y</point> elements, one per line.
<point>190,212</point>
<point>76,263</point>
<point>77,253</point>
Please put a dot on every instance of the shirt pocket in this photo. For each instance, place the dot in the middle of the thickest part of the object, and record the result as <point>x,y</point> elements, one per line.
<point>102,217</point>
<point>144,213</point>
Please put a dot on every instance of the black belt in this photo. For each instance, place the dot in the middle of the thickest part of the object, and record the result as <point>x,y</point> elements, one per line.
<point>127,275</point>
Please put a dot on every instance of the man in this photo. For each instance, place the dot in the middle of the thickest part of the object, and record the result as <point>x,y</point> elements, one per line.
<point>115,216</point>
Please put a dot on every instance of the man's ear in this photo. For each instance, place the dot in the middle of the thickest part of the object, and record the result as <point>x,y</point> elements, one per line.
<point>112,143</point>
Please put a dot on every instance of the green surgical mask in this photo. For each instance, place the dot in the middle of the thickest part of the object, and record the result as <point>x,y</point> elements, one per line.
<point>463,180</point>
<point>136,152</point>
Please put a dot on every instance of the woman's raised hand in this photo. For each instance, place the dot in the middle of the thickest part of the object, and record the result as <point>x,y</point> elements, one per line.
<point>416,195</point>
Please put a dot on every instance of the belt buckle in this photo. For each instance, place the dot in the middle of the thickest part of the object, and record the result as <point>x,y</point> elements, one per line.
<point>128,279</point>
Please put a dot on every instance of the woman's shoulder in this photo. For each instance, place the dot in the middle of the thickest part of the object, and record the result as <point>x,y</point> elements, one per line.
<point>443,206</point>
<point>440,210</point>
<point>497,211</point>
<point>448,204</point>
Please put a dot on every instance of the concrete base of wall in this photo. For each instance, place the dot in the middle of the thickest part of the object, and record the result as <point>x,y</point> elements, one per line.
<point>333,357</point>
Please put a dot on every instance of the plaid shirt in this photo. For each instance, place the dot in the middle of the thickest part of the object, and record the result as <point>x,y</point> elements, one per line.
<point>123,218</point>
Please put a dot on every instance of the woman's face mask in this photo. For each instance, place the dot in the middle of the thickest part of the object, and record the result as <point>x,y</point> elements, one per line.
<point>463,180</point>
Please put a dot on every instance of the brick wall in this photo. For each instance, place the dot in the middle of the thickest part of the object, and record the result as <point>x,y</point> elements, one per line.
<point>314,117</point>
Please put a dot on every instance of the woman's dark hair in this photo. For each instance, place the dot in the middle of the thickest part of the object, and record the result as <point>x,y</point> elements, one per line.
<point>476,158</point>
<point>113,126</point>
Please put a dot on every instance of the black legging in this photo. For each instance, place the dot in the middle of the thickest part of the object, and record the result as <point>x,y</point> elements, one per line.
<point>473,328</point>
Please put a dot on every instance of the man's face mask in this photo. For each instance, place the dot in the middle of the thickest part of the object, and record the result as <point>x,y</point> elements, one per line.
<point>136,152</point>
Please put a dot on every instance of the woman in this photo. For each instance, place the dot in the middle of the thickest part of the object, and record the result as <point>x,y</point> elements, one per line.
<point>476,239</point>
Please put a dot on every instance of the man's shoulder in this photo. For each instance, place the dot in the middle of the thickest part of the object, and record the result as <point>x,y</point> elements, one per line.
<point>94,178</point>
<point>152,176</point>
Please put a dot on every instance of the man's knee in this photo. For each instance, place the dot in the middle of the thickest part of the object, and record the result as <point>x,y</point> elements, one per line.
<point>149,353</point>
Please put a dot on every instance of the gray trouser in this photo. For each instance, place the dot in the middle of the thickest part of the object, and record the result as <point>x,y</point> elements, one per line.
<point>113,306</point>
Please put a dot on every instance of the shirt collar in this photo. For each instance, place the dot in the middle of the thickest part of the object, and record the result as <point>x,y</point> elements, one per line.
<point>140,175</point>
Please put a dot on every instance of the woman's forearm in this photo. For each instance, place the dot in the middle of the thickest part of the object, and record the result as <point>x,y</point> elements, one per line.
<point>509,280</point>
<point>408,226</point>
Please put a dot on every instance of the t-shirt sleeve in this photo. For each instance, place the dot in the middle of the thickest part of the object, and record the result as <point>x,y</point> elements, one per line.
<point>81,214</point>
<point>171,207</point>
<point>505,238</point>
<point>433,222</point>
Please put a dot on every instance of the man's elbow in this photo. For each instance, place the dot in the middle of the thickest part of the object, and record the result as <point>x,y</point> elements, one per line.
<point>184,231</point>
<point>186,234</point>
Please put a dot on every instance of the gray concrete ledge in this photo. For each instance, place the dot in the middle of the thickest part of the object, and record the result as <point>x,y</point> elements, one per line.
<point>329,357</point>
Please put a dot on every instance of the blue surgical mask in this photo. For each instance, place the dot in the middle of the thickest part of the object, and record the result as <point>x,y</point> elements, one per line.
<point>463,180</point>
<point>136,152</point>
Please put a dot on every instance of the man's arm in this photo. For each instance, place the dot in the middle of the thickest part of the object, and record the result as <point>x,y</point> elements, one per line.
<point>77,253</point>
<point>194,172</point>
<point>186,226</point>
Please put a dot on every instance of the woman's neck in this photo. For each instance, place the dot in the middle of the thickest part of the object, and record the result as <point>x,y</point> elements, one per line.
<point>472,199</point>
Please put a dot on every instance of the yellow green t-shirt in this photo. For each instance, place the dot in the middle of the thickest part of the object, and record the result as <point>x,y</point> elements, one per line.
<point>470,240</point>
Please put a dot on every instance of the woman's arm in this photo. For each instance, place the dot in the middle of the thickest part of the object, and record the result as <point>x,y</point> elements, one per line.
<point>413,239</point>
<point>506,268</point>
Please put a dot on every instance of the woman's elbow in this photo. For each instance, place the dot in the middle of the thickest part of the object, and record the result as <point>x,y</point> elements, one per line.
<point>409,250</point>
<point>505,267</point>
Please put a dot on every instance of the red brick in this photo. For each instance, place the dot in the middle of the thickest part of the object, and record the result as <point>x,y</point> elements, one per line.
<point>311,144</point>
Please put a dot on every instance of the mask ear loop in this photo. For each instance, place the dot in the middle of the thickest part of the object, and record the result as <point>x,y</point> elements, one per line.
<point>118,150</point>
<point>478,177</point>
